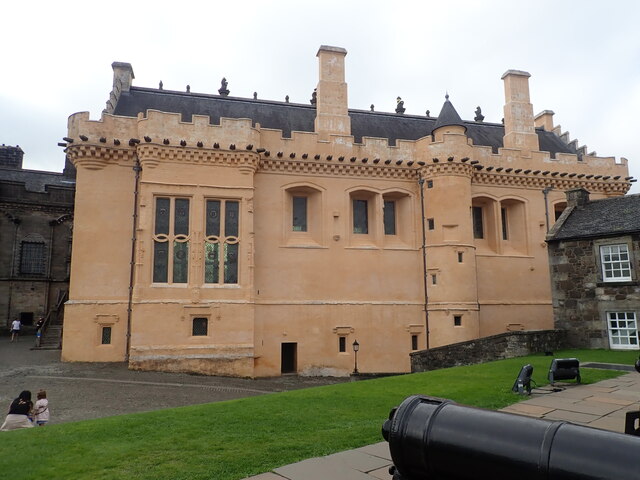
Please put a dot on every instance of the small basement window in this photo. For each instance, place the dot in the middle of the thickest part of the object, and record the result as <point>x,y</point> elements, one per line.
<point>200,327</point>
<point>106,336</point>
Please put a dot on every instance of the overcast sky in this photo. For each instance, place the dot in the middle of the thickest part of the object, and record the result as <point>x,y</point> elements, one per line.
<point>583,56</point>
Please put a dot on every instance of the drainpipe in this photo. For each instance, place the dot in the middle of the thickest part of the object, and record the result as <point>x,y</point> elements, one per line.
<point>545,192</point>
<point>16,223</point>
<point>424,262</point>
<point>137,169</point>
<point>49,279</point>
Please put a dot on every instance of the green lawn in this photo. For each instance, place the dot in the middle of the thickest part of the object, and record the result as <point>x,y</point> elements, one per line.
<point>235,439</point>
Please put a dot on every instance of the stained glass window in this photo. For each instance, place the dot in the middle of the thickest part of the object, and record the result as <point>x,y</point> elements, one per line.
<point>221,244</point>
<point>213,218</point>
<point>231,263</point>
<point>171,230</point>
<point>231,218</point>
<point>180,262</point>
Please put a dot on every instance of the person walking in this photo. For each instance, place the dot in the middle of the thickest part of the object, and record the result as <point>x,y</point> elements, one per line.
<point>41,409</point>
<point>19,412</point>
<point>39,331</point>
<point>15,329</point>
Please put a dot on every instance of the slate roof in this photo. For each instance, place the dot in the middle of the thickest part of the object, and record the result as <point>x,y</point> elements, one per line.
<point>602,218</point>
<point>290,117</point>
<point>36,180</point>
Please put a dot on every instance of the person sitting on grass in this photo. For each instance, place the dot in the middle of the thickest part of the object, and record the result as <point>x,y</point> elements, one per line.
<point>19,412</point>
<point>41,409</point>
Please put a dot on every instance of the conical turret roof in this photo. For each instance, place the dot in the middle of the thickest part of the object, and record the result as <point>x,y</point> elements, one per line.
<point>448,116</point>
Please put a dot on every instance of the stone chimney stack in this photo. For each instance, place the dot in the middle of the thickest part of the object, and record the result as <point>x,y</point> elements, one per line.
<point>519,128</point>
<point>122,79</point>
<point>11,156</point>
<point>545,120</point>
<point>332,114</point>
<point>577,197</point>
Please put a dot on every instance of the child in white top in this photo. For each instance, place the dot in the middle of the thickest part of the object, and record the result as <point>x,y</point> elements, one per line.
<point>41,409</point>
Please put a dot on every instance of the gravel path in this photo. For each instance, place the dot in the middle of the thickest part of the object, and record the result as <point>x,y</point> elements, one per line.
<point>82,391</point>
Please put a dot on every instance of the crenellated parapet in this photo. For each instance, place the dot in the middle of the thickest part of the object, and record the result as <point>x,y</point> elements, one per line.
<point>159,136</point>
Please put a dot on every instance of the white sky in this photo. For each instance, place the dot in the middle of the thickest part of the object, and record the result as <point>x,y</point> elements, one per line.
<point>584,58</point>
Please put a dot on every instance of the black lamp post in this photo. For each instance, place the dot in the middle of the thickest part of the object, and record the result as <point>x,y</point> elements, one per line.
<point>356,347</point>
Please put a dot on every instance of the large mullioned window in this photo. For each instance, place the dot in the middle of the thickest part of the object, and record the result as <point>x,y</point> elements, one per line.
<point>222,241</point>
<point>32,258</point>
<point>171,240</point>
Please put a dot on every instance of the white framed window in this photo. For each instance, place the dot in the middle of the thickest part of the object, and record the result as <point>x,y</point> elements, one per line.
<point>623,330</point>
<point>616,266</point>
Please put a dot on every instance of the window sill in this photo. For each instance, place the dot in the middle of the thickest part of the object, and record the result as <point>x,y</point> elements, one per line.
<point>303,245</point>
<point>399,247</point>
<point>623,283</point>
<point>362,247</point>
<point>231,286</point>
<point>170,285</point>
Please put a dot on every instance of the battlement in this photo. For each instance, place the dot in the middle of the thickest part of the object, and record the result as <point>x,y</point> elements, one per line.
<point>238,134</point>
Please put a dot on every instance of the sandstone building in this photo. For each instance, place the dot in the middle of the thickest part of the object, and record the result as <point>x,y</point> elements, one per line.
<point>248,237</point>
<point>36,218</point>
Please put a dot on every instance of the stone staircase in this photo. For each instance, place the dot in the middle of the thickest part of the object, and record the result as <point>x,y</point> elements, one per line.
<point>51,338</point>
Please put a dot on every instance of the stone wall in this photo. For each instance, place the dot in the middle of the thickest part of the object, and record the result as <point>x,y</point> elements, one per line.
<point>581,299</point>
<point>495,347</point>
<point>35,207</point>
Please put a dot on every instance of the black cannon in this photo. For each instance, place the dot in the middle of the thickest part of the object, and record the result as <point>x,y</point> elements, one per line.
<point>436,439</point>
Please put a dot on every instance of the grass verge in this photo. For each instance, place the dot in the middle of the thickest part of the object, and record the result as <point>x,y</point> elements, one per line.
<point>235,439</point>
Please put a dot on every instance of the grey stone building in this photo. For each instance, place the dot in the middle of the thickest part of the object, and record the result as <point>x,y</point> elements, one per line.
<point>36,219</point>
<point>594,257</point>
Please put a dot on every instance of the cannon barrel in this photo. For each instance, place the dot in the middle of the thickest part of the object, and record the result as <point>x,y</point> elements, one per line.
<point>433,438</point>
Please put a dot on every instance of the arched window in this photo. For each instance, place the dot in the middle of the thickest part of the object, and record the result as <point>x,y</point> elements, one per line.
<point>302,215</point>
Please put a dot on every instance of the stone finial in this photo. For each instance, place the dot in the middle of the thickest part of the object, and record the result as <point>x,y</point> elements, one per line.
<point>428,113</point>
<point>372,107</point>
<point>160,85</point>
<point>255,95</point>
<point>223,90</point>
<point>286,99</point>
<point>188,88</point>
<point>400,105</point>
<point>479,117</point>
<point>314,97</point>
